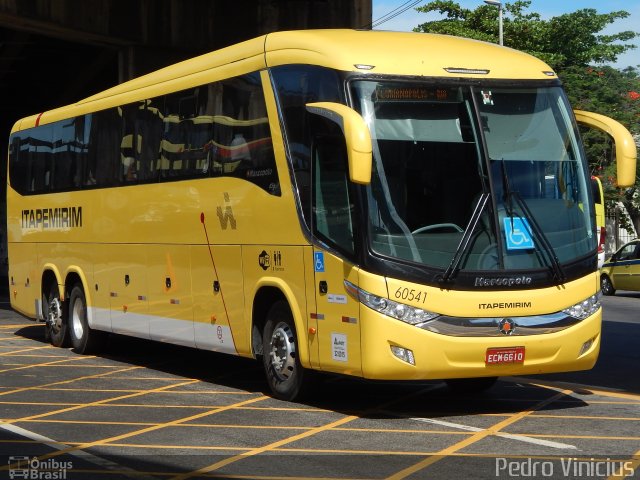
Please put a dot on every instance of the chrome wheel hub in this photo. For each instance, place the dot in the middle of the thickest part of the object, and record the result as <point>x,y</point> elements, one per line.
<point>283,351</point>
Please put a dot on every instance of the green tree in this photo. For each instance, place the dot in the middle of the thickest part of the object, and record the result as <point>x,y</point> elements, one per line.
<point>572,44</point>
<point>566,40</point>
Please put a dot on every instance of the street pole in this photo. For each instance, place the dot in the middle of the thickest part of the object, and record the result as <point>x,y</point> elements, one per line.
<point>498,3</point>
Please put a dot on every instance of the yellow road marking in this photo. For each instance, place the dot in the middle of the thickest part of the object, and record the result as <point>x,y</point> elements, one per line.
<point>284,441</point>
<point>265,448</point>
<point>22,325</point>
<point>24,350</point>
<point>97,402</point>
<point>575,387</point>
<point>36,365</point>
<point>474,438</point>
<point>585,417</point>
<point>62,382</point>
<point>106,441</point>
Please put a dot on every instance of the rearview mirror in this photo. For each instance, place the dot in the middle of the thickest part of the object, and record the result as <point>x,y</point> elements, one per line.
<point>626,150</point>
<point>356,134</point>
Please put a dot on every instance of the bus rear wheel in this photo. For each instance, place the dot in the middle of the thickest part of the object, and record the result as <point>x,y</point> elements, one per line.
<point>282,366</point>
<point>83,338</point>
<point>53,310</point>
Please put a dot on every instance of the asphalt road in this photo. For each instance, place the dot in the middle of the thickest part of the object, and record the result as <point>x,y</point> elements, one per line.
<point>146,410</point>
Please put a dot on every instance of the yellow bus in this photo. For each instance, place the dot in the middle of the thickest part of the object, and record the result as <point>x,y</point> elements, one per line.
<point>392,206</point>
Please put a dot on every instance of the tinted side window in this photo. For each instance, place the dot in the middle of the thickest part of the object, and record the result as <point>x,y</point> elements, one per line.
<point>297,85</point>
<point>219,129</point>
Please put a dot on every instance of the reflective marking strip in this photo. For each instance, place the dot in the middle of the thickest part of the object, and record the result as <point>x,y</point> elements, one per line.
<point>520,438</point>
<point>113,294</point>
<point>174,301</point>
<point>317,316</point>
<point>349,320</point>
<point>476,437</point>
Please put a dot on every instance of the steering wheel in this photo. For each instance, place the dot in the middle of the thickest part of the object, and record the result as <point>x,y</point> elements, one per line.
<point>451,226</point>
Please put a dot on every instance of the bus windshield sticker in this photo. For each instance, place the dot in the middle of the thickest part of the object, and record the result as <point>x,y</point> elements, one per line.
<point>487,98</point>
<point>517,233</point>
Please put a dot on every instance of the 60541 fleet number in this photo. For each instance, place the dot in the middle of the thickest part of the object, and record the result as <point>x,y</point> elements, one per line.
<point>410,294</point>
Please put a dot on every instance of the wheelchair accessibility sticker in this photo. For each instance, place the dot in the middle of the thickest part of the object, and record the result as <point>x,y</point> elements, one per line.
<point>318,258</point>
<point>518,233</point>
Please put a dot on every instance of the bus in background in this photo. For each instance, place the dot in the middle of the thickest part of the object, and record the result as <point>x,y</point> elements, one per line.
<point>412,207</point>
<point>601,230</point>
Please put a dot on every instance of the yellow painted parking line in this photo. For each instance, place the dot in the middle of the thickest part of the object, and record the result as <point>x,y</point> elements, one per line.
<point>78,365</point>
<point>313,431</point>
<point>586,417</point>
<point>62,382</point>
<point>45,404</point>
<point>576,387</point>
<point>40,355</point>
<point>476,437</point>
<point>583,437</point>
<point>106,441</point>
<point>100,390</point>
<point>174,447</point>
<point>88,422</point>
<point>97,402</point>
<point>21,325</point>
<point>30,349</point>
<point>265,448</point>
<point>37,365</point>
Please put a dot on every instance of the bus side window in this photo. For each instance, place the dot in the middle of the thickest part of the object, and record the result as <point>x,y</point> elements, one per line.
<point>105,137</point>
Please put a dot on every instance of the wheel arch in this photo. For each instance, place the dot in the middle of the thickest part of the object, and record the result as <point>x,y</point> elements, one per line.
<point>76,275</point>
<point>267,293</point>
<point>50,276</point>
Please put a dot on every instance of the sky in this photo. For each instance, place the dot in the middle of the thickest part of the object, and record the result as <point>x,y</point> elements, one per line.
<point>546,8</point>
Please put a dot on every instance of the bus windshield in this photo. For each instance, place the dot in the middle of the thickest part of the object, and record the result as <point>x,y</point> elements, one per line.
<point>475,178</point>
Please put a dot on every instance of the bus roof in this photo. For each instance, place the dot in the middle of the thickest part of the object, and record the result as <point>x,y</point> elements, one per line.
<point>372,52</point>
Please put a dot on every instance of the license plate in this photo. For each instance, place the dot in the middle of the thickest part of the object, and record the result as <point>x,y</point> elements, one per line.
<point>501,356</point>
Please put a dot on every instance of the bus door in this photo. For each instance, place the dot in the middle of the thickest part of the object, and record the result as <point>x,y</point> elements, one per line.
<point>337,314</point>
<point>333,220</point>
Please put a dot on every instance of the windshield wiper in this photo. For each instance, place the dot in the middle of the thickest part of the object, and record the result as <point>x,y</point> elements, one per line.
<point>547,249</point>
<point>454,267</point>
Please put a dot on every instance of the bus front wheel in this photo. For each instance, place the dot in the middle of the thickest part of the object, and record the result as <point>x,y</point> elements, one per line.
<point>83,338</point>
<point>53,310</point>
<point>280,358</point>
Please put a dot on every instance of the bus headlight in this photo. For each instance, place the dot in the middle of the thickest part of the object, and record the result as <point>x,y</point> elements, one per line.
<point>584,309</point>
<point>399,311</point>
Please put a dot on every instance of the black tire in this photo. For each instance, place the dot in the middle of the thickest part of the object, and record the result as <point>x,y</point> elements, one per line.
<point>55,316</point>
<point>284,372</point>
<point>606,286</point>
<point>83,339</point>
<point>470,385</point>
